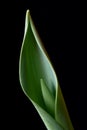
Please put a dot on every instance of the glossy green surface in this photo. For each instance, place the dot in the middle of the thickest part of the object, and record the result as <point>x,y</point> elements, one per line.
<point>39,81</point>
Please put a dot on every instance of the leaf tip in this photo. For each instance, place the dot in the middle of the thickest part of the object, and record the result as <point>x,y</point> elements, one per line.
<point>27,12</point>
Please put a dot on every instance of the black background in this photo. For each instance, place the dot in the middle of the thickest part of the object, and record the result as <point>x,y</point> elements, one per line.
<point>60,26</point>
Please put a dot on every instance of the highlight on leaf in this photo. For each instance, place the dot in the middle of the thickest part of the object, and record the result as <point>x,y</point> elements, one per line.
<point>39,81</point>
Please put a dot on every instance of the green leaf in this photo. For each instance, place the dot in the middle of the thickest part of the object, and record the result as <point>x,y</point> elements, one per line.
<point>48,98</point>
<point>39,81</point>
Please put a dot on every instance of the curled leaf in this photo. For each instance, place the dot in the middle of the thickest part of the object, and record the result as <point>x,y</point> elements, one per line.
<point>39,81</point>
